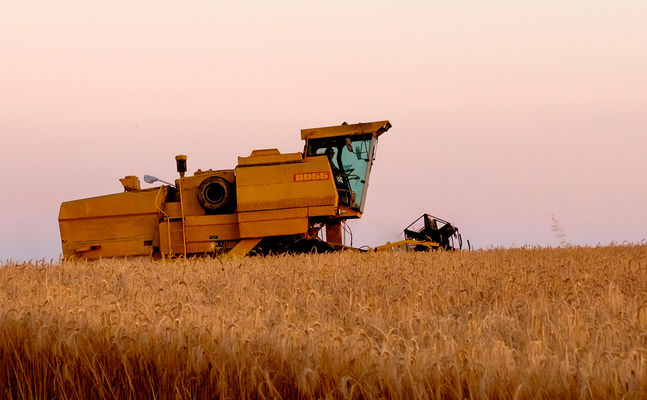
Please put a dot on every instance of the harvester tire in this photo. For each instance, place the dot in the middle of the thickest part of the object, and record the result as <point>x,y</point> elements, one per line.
<point>303,246</point>
<point>421,248</point>
<point>214,193</point>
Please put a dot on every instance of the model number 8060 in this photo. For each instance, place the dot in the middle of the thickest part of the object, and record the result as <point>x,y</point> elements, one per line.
<point>311,176</point>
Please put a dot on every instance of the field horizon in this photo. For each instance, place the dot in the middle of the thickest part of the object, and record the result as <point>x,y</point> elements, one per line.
<point>526,323</point>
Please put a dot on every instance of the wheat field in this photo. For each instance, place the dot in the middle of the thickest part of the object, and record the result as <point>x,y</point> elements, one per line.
<point>494,324</point>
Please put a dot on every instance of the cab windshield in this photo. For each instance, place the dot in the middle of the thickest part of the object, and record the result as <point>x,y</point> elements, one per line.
<point>350,159</point>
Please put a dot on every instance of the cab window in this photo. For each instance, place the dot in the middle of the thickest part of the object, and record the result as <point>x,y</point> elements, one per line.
<point>350,160</point>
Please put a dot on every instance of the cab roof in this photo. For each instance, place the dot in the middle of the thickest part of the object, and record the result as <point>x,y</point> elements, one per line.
<point>376,128</point>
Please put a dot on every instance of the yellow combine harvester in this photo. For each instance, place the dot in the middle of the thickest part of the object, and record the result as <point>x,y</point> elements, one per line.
<point>270,203</point>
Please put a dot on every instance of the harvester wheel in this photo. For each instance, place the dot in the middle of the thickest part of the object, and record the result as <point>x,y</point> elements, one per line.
<point>214,193</point>
<point>310,246</point>
<point>421,248</point>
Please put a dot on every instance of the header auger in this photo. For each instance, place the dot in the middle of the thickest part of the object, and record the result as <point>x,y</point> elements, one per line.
<point>428,233</point>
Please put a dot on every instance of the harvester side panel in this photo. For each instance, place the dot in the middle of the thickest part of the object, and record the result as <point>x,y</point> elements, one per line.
<point>281,186</point>
<point>290,221</point>
<point>122,224</point>
<point>202,233</point>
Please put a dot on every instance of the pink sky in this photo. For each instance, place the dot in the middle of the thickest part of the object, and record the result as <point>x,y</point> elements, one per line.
<point>503,113</point>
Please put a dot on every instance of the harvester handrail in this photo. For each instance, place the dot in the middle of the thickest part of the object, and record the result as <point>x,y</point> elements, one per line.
<point>168,221</point>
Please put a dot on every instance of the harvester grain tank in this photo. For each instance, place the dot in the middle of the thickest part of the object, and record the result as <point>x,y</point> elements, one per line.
<point>270,202</point>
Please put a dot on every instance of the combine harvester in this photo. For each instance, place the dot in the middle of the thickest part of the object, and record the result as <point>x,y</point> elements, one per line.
<point>270,203</point>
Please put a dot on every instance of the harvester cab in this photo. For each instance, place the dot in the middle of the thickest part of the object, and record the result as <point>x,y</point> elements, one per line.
<point>350,150</point>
